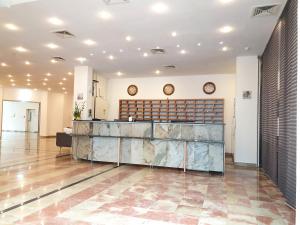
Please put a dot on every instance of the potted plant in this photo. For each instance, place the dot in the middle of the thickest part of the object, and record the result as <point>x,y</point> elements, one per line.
<point>78,110</point>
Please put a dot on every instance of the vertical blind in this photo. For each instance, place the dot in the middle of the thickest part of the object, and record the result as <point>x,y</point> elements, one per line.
<point>279,104</point>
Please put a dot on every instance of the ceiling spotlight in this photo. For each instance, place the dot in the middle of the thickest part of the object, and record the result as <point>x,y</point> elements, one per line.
<point>3,64</point>
<point>177,46</point>
<point>225,49</point>
<point>11,26</point>
<point>28,84</point>
<point>64,78</point>
<point>28,75</point>
<point>89,42</point>
<point>44,84</point>
<point>128,38</point>
<point>221,42</point>
<point>247,48</point>
<point>66,92</point>
<point>103,52</point>
<point>12,80</point>
<point>52,46</point>
<point>45,79</point>
<point>105,15</point>
<point>111,57</point>
<point>10,76</point>
<point>35,89</point>
<point>13,84</point>
<point>81,59</point>
<point>48,74</point>
<point>145,54</point>
<point>60,83</point>
<point>27,63</point>
<point>199,44</point>
<point>119,73</point>
<point>55,21</point>
<point>226,29</point>
<point>91,54</point>
<point>159,8</point>
<point>121,50</point>
<point>28,80</point>
<point>139,49</point>
<point>53,61</point>
<point>226,1</point>
<point>21,49</point>
<point>70,73</point>
<point>49,89</point>
<point>63,88</point>
<point>182,51</point>
<point>157,72</point>
<point>174,34</point>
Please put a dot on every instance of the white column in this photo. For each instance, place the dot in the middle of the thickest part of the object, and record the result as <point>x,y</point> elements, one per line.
<point>83,86</point>
<point>246,110</point>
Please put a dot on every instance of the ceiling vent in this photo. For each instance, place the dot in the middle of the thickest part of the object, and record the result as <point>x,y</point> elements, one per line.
<point>156,51</point>
<point>58,59</point>
<point>170,67</point>
<point>63,34</point>
<point>115,2</point>
<point>266,10</point>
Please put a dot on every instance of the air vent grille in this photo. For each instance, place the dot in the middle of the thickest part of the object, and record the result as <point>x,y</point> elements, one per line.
<point>169,67</point>
<point>158,51</point>
<point>115,2</point>
<point>58,59</point>
<point>64,34</point>
<point>267,10</point>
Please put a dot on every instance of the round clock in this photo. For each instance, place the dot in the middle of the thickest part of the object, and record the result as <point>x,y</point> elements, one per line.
<point>169,89</point>
<point>132,90</point>
<point>209,88</point>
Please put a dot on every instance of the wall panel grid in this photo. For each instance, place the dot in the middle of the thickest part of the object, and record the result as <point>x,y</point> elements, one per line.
<point>161,110</point>
<point>278,105</point>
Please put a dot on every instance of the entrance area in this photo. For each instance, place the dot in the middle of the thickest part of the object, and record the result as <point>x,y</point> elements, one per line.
<point>20,116</point>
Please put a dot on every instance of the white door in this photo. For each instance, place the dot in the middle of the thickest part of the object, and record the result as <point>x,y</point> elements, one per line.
<point>31,120</point>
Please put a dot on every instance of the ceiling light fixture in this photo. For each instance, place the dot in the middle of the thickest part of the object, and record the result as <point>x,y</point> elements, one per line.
<point>91,54</point>
<point>103,52</point>
<point>225,49</point>
<point>35,89</point>
<point>119,73</point>
<point>139,49</point>
<point>226,29</point>
<point>28,80</point>
<point>66,92</point>
<point>105,15</point>
<point>157,72</point>
<point>28,75</point>
<point>27,63</point>
<point>159,8</point>
<point>70,73</point>
<point>174,34</point>
<point>111,57</point>
<point>81,59</point>
<point>199,44</point>
<point>44,84</point>
<point>3,64</point>
<point>60,83</point>
<point>64,78</point>
<point>49,89</point>
<point>63,88</point>
<point>48,74</point>
<point>45,79</point>
<point>53,61</point>
<point>52,46</point>
<point>183,52</point>
<point>11,26</point>
<point>12,80</point>
<point>89,42</point>
<point>145,54</point>
<point>21,49</point>
<point>13,84</point>
<point>28,84</point>
<point>121,50</point>
<point>10,76</point>
<point>55,21</point>
<point>226,1</point>
<point>128,38</point>
<point>221,42</point>
<point>177,46</point>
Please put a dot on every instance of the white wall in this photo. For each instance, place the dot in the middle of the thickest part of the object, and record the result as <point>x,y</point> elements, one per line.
<point>15,116</point>
<point>185,87</point>
<point>246,133</point>
<point>53,115</point>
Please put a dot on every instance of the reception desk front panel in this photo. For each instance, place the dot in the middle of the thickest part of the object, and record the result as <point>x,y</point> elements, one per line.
<point>176,145</point>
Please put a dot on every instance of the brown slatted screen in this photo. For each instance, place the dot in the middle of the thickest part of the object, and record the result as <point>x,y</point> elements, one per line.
<point>279,67</point>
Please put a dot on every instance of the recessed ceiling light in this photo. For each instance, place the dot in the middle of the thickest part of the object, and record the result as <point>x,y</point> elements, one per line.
<point>128,38</point>
<point>157,71</point>
<point>247,48</point>
<point>178,46</point>
<point>44,84</point>
<point>145,54</point>
<point>89,42</point>
<point>28,84</point>
<point>121,50</point>
<point>52,46</point>
<point>3,64</point>
<point>70,73</point>
<point>28,80</point>
<point>9,75</point>
<point>12,80</point>
<point>48,74</point>
<point>105,15</point>
<point>45,79</point>
<point>21,49</point>
<point>199,44</point>
<point>139,49</point>
<point>182,51</point>
<point>49,89</point>
<point>60,83</point>
<point>64,78</point>
<point>11,26</point>
<point>63,88</point>
<point>225,48</point>
<point>111,57</point>
<point>91,54</point>
<point>53,61</point>
<point>160,8</point>
<point>174,34</point>
<point>119,73</point>
<point>226,1</point>
<point>103,52</point>
<point>35,89</point>
<point>226,29</point>
<point>66,92</point>
<point>81,59</point>
<point>13,84</point>
<point>27,63</point>
<point>28,75</point>
<point>221,42</point>
<point>55,21</point>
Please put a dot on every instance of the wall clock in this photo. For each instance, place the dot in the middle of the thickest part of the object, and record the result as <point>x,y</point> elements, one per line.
<point>169,89</point>
<point>132,90</point>
<point>209,88</point>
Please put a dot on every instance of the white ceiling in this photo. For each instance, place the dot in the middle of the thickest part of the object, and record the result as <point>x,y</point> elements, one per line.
<point>194,21</point>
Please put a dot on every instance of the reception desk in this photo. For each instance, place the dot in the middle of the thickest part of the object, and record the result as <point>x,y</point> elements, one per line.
<point>189,146</point>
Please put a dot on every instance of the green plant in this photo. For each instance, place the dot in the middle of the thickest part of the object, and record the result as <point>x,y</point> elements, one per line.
<point>78,110</point>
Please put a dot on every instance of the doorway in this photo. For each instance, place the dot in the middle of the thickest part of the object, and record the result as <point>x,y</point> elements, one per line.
<point>20,116</point>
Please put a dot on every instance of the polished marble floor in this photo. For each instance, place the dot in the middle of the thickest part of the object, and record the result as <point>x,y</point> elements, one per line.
<point>38,188</point>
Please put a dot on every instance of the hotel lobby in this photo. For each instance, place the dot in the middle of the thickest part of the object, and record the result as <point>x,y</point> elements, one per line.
<point>155,112</point>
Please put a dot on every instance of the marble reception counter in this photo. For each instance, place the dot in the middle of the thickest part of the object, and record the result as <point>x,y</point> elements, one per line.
<point>189,146</point>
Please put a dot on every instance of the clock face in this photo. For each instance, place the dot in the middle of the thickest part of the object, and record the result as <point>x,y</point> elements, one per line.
<point>132,90</point>
<point>209,88</point>
<point>169,89</point>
